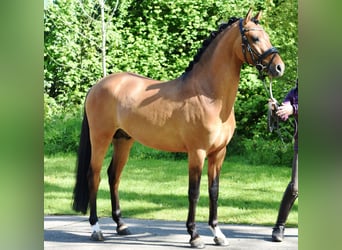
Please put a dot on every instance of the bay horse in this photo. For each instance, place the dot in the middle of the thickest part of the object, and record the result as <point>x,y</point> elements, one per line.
<point>193,113</point>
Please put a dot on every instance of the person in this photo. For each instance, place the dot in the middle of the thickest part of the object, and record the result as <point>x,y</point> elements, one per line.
<point>288,107</point>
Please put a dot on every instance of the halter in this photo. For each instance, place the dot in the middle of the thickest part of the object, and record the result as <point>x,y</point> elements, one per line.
<point>256,57</point>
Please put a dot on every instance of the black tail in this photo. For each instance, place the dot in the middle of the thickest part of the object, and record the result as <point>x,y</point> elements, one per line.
<point>81,190</point>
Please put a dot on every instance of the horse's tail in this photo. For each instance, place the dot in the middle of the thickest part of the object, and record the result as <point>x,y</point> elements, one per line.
<point>81,190</point>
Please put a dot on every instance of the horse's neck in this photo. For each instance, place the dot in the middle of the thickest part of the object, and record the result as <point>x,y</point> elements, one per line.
<point>217,73</point>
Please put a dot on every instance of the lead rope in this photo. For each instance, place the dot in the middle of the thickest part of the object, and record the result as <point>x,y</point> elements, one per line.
<point>272,118</point>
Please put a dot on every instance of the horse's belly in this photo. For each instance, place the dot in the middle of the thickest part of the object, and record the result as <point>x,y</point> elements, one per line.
<point>179,138</point>
<point>158,138</point>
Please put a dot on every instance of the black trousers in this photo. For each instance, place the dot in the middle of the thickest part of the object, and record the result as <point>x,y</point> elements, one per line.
<point>290,194</point>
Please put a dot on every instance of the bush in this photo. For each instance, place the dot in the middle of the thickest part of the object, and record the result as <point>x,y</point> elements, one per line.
<point>142,152</point>
<point>61,134</point>
<point>270,152</point>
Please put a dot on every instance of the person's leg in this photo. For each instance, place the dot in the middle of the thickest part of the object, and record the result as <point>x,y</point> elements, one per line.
<point>289,197</point>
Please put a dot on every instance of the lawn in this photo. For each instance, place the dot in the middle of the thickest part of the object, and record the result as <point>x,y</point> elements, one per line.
<point>157,189</point>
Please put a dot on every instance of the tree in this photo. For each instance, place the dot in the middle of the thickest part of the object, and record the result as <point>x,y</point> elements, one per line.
<point>75,41</point>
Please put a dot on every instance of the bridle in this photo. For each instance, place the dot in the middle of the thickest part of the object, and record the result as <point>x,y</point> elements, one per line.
<point>258,62</point>
<point>256,57</point>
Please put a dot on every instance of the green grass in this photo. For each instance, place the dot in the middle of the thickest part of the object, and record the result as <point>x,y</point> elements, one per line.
<point>157,189</point>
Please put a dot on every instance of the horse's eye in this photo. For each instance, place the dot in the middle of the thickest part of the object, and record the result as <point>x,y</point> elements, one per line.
<point>255,39</point>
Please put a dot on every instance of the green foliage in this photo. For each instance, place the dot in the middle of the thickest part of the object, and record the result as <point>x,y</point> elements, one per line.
<point>61,134</point>
<point>157,39</point>
<point>140,152</point>
<point>272,152</point>
<point>153,38</point>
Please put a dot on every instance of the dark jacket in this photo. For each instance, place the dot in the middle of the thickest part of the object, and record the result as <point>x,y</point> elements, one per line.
<point>292,97</point>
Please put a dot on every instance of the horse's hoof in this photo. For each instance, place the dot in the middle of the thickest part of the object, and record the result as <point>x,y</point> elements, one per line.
<point>123,230</point>
<point>97,236</point>
<point>221,241</point>
<point>197,243</point>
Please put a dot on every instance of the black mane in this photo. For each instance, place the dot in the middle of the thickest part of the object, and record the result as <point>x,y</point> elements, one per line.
<point>207,41</point>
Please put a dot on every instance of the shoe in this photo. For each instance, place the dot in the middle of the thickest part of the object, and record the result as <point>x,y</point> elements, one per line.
<point>278,233</point>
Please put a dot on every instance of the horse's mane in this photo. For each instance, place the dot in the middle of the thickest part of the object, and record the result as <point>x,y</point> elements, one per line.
<point>207,41</point>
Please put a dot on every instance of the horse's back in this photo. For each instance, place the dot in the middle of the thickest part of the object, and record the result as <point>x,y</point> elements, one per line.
<point>115,86</point>
<point>125,82</point>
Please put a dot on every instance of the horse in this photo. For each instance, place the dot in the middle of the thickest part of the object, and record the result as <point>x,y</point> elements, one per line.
<point>193,113</point>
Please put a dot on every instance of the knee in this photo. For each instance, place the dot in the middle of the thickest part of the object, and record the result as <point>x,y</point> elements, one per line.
<point>294,189</point>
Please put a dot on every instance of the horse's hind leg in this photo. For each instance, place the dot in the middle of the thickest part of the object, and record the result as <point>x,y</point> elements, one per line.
<point>99,145</point>
<point>121,151</point>
<point>215,161</point>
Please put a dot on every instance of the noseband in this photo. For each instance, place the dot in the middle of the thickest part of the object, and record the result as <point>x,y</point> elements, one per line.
<point>256,57</point>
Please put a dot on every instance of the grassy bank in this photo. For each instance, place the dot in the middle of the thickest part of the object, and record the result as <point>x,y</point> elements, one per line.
<point>157,189</point>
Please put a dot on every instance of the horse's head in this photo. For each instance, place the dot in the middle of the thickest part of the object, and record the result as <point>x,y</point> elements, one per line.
<point>257,49</point>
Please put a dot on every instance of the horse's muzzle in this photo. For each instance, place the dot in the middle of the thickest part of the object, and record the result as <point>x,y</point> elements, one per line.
<point>276,69</point>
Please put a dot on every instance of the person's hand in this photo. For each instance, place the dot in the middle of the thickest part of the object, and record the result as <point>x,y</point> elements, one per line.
<point>273,103</point>
<point>285,110</point>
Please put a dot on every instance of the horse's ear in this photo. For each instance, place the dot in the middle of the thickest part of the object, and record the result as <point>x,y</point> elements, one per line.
<point>248,16</point>
<point>258,16</point>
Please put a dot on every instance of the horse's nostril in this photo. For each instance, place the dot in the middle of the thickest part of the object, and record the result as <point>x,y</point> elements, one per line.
<point>279,68</point>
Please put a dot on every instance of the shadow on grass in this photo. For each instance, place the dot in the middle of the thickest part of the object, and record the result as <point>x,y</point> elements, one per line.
<point>171,201</point>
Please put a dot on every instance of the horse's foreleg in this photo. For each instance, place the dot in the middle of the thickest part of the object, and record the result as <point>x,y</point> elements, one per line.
<point>215,161</point>
<point>121,150</point>
<point>196,161</point>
